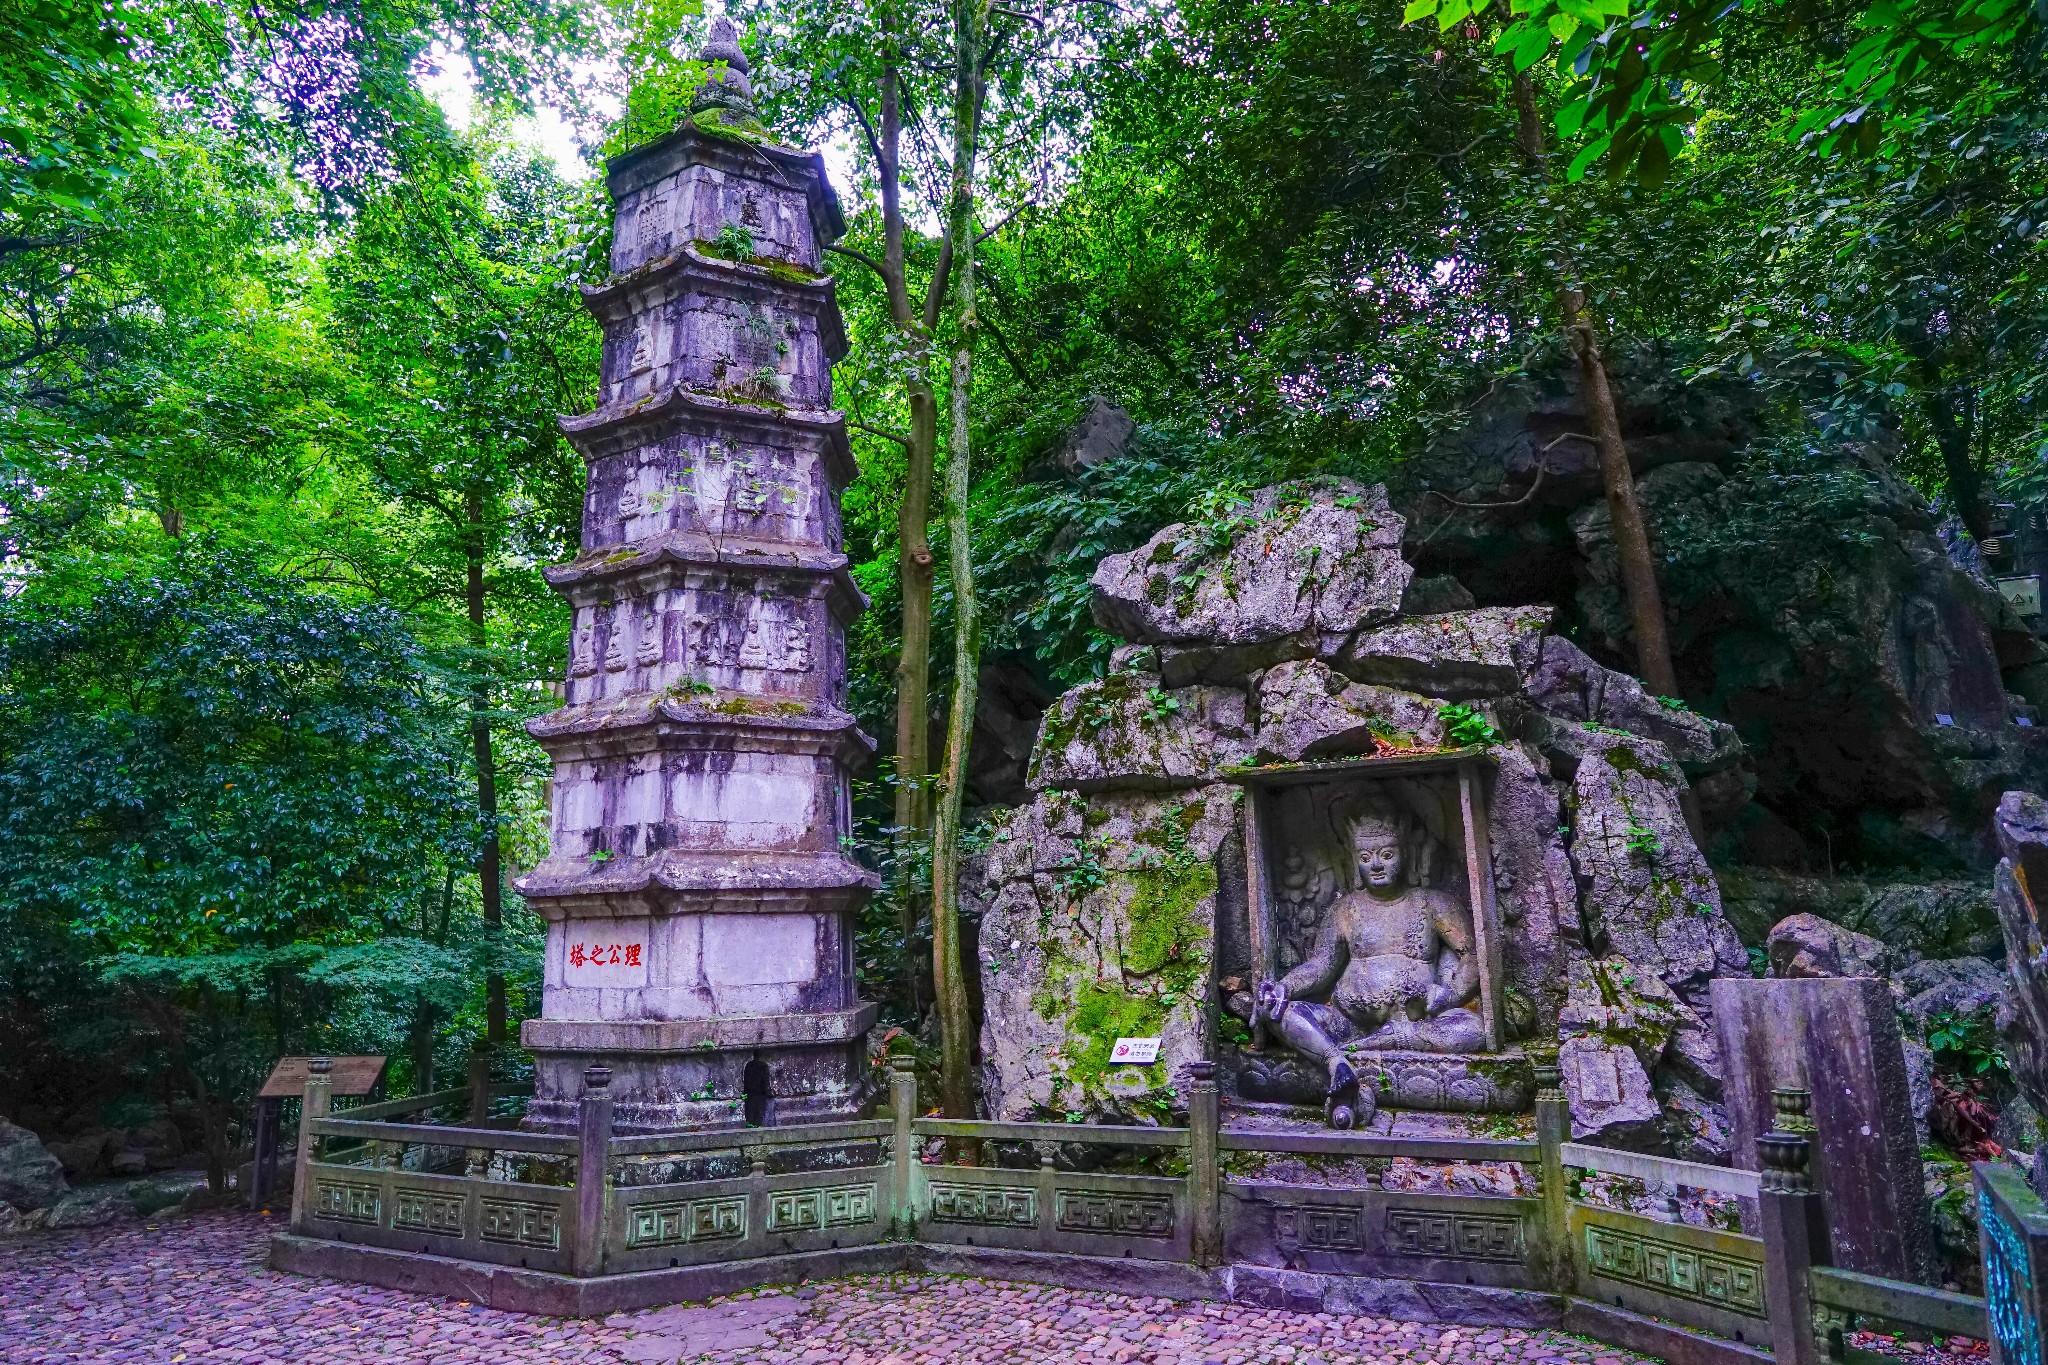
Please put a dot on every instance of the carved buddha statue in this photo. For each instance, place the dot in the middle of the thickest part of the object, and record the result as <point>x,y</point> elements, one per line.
<point>1393,968</point>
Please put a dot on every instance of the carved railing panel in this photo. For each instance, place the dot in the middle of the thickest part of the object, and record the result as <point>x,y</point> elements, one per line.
<point>1696,1276</point>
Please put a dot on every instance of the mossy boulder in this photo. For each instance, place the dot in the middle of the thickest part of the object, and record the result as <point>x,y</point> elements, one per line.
<point>1128,732</point>
<point>1456,655</point>
<point>1309,710</point>
<point>1648,892</point>
<point>1294,572</point>
<point>1100,924</point>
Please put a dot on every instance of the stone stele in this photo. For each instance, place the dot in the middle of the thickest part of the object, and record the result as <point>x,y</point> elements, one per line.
<point>697,898</point>
<point>1838,1038</point>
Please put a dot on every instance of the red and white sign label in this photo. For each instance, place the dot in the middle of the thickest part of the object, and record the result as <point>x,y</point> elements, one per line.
<point>598,954</point>
<point>1134,1051</point>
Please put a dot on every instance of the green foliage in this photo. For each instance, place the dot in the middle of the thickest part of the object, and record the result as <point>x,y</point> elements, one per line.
<point>1967,1043</point>
<point>216,758</point>
<point>736,240</point>
<point>1465,725</point>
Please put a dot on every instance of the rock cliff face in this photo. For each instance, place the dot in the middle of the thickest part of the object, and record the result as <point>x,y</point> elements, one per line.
<point>1811,599</point>
<point>1114,903</point>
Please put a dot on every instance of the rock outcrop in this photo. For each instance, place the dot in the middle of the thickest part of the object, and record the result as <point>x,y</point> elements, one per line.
<point>1811,598</point>
<point>1294,575</point>
<point>2022,831</point>
<point>1113,903</point>
<point>30,1177</point>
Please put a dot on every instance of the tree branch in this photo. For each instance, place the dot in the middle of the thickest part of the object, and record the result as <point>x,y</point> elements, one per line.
<point>886,435</point>
<point>854,254</point>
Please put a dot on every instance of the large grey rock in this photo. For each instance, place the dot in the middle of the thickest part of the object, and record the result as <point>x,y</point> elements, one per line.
<point>1103,434</point>
<point>1609,1093</point>
<point>1126,731</point>
<point>30,1178</point>
<point>1457,655</point>
<point>1837,653</point>
<point>1807,945</point>
<point>1568,684</point>
<point>1442,592</point>
<point>1613,999</point>
<point>1534,886</point>
<point>1308,710</point>
<point>1648,893</point>
<point>1009,705</point>
<point>1961,986</point>
<point>1696,1128</point>
<point>1100,923</point>
<point>1295,574</point>
<point>2021,826</point>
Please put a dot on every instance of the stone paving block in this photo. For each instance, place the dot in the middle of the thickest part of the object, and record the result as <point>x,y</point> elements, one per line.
<point>194,1290</point>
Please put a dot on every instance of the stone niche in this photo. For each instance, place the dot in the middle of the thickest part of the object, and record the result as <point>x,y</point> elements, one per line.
<point>1298,832</point>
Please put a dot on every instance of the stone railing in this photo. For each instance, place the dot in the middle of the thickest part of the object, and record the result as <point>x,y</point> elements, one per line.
<point>589,1222</point>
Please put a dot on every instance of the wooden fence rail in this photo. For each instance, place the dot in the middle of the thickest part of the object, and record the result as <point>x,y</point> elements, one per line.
<point>612,1214</point>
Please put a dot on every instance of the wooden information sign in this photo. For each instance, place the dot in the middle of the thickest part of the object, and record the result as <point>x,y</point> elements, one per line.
<point>352,1077</point>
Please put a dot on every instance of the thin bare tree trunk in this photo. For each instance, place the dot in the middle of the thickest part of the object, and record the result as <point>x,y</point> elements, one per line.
<point>488,873</point>
<point>1624,509</point>
<point>970,19</point>
<point>914,561</point>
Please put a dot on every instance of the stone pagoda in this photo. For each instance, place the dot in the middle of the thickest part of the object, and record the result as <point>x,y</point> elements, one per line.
<point>698,896</point>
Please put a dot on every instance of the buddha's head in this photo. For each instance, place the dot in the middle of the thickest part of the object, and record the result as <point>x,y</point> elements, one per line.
<point>1379,844</point>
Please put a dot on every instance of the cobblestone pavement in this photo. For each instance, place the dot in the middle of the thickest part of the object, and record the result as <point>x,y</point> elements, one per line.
<point>194,1289</point>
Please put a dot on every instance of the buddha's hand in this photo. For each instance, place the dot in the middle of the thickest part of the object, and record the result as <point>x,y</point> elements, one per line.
<point>1269,1000</point>
<point>1439,999</point>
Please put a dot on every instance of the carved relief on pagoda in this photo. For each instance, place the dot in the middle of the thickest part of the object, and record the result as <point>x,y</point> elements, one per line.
<point>721,488</point>
<point>733,344</point>
<point>695,202</point>
<point>700,636</point>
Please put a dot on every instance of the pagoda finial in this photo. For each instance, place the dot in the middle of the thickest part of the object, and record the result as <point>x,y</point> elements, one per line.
<point>725,87</point>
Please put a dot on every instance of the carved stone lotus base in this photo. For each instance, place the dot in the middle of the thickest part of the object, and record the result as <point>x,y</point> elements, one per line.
<point>1496,1083</point>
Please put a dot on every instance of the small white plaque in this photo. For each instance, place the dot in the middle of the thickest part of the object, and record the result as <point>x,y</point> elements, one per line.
<point>605,953</point>
<point>2024,593</point>
<point>1944,718</point>
<point>1134,1052</point>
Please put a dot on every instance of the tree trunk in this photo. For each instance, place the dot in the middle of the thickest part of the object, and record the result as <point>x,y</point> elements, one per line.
<point>956,1093</point>
<point>913,675</point>
<point>1624,509</point>
<point>489,875</point>
<point>422,1046</point>
<point>914,565</point>
<point>1965,482</point>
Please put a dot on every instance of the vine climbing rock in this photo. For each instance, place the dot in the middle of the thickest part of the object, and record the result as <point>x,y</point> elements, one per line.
<point>1271,633</point>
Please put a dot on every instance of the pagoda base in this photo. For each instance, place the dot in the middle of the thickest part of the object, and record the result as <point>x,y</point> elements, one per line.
<point>683,1075</point>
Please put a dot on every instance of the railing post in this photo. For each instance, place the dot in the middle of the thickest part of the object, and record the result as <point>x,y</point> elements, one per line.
<point>903,1109</point>
<point>593,1168</point>
<point>1785,1205</point>
<point>313,1105</point>
<point>1204,1212</point>
<point>1553,1127</point>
